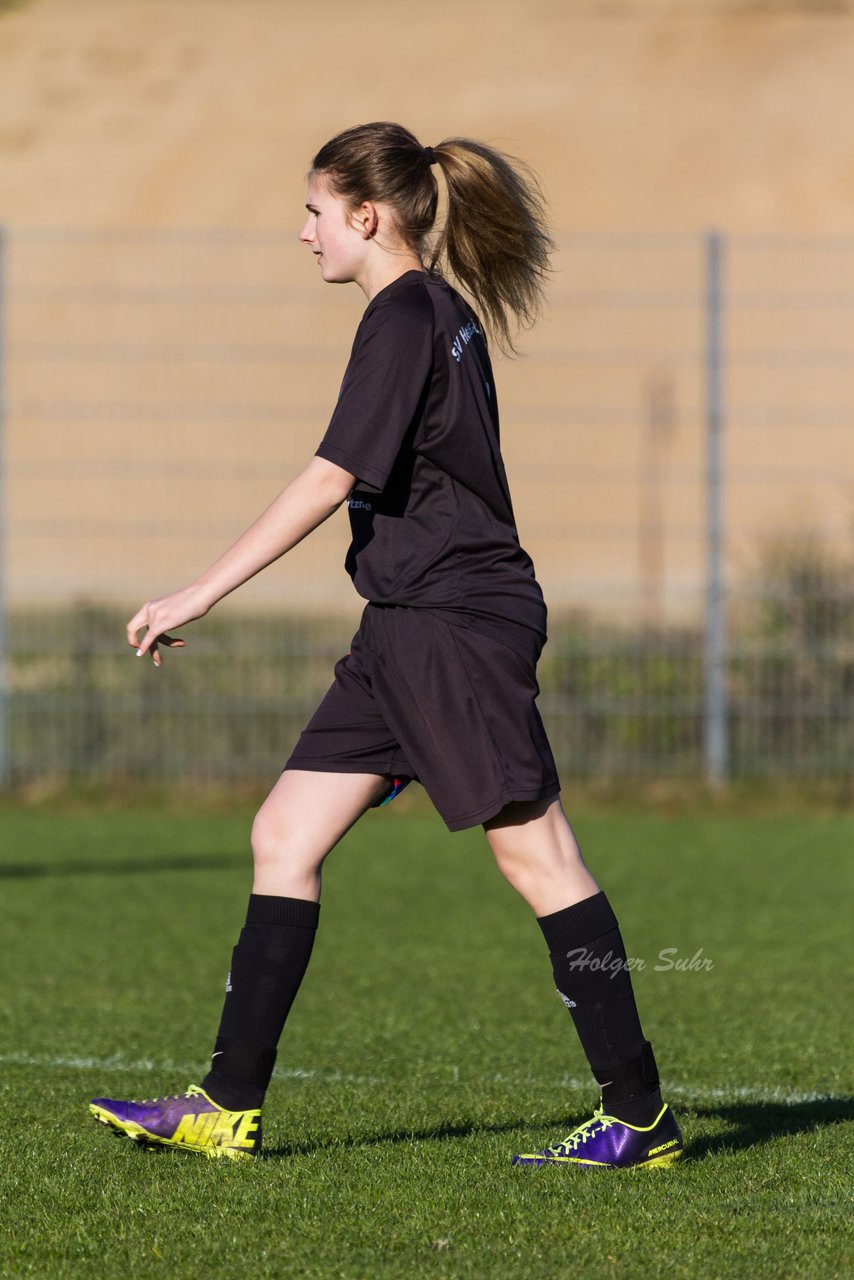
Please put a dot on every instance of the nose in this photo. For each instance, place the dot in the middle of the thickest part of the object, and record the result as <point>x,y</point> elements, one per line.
<point>306,235</point>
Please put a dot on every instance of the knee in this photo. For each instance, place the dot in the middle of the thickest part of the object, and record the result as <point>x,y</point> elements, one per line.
<point>532,863</point>
<point>284,865</point>
<point>272,840</point>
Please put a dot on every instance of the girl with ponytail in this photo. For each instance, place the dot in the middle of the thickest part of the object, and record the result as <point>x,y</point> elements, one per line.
<point>440,682</point>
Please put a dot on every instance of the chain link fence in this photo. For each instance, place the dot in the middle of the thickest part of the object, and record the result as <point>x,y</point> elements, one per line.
<point>678,438</point>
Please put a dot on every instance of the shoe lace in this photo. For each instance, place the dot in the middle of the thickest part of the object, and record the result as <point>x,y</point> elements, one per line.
<point>584,1131</point>
<point>193,1092</point>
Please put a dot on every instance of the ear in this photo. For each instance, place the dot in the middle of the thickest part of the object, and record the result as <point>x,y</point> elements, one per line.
<point>367,220</point>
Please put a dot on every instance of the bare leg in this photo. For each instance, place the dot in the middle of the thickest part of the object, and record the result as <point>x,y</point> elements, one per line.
<point>537,853</point>
<point>305,816</point>
<point>302,819</point>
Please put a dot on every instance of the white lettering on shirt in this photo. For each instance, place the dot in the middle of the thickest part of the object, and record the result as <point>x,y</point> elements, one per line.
<point>463,338</point>
<point>356,504</point>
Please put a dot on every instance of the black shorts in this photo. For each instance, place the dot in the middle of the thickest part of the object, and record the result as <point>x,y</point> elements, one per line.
<point>420,697</point>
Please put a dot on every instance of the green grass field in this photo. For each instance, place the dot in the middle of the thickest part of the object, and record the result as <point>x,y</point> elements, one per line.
<point>426,1046</point>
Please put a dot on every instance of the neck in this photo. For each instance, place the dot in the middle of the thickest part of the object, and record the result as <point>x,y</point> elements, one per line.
<point>385,270</point>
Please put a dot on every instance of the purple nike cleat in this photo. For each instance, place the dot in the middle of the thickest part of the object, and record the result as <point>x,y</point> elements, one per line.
<point>191,1121</point>
<point>609,1143</point>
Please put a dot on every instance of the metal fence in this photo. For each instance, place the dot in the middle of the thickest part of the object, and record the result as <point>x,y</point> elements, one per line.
<point>678,439</point>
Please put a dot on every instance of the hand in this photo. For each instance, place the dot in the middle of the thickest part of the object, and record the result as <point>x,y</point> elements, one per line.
<point>159,616</point>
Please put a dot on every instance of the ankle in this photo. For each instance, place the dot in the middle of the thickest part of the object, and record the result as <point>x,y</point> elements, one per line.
<point>630,1090</point>
<point>642,1110</point>
<point>231,1094</point>
<point>239,1074</point>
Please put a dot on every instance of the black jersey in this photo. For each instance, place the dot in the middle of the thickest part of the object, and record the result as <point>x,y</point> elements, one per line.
<point>417,424</point>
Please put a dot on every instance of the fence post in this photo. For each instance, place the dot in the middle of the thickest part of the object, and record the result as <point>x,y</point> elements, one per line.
<point>715,735</point>
<point>4,726</point>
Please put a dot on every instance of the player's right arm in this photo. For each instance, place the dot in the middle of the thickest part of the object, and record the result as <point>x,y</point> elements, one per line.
<point>302,505</point>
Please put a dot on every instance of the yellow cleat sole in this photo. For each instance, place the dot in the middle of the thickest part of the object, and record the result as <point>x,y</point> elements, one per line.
<point>657,1162</point>
<point>661,1162</point>
<point>137,1134</point>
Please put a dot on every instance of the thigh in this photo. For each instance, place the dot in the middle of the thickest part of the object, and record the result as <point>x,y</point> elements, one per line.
<point>307,812</point>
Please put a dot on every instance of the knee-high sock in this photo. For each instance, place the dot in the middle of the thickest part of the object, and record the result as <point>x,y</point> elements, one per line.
<point>590,969</point>
<point>267,967</point>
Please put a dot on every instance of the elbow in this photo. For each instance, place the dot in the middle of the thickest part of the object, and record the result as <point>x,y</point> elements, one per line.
<point>336,494</point>
<point>334,482</point>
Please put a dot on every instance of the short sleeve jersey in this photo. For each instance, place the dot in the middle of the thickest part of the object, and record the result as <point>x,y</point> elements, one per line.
<point>417,423</point>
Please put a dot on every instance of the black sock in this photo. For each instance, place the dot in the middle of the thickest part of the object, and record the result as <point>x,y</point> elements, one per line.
<point>267,967</point>
<point>592,977</point>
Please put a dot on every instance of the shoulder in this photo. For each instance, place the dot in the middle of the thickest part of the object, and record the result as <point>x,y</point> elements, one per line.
<point>398,319</point>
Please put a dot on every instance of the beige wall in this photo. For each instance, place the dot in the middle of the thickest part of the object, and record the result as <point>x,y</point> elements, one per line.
<point>639,116</point>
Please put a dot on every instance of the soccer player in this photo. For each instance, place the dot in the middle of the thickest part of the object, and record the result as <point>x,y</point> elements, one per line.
<point>440,682</point>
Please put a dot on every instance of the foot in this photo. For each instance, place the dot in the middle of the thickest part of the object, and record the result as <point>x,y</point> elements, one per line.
<point>191,1121</point>
<point>609,1143</point>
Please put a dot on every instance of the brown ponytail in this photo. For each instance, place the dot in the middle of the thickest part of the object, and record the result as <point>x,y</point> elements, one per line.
<point>494,240</point>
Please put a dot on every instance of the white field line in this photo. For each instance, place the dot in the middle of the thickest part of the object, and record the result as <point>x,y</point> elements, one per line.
<point>147,1066</point>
